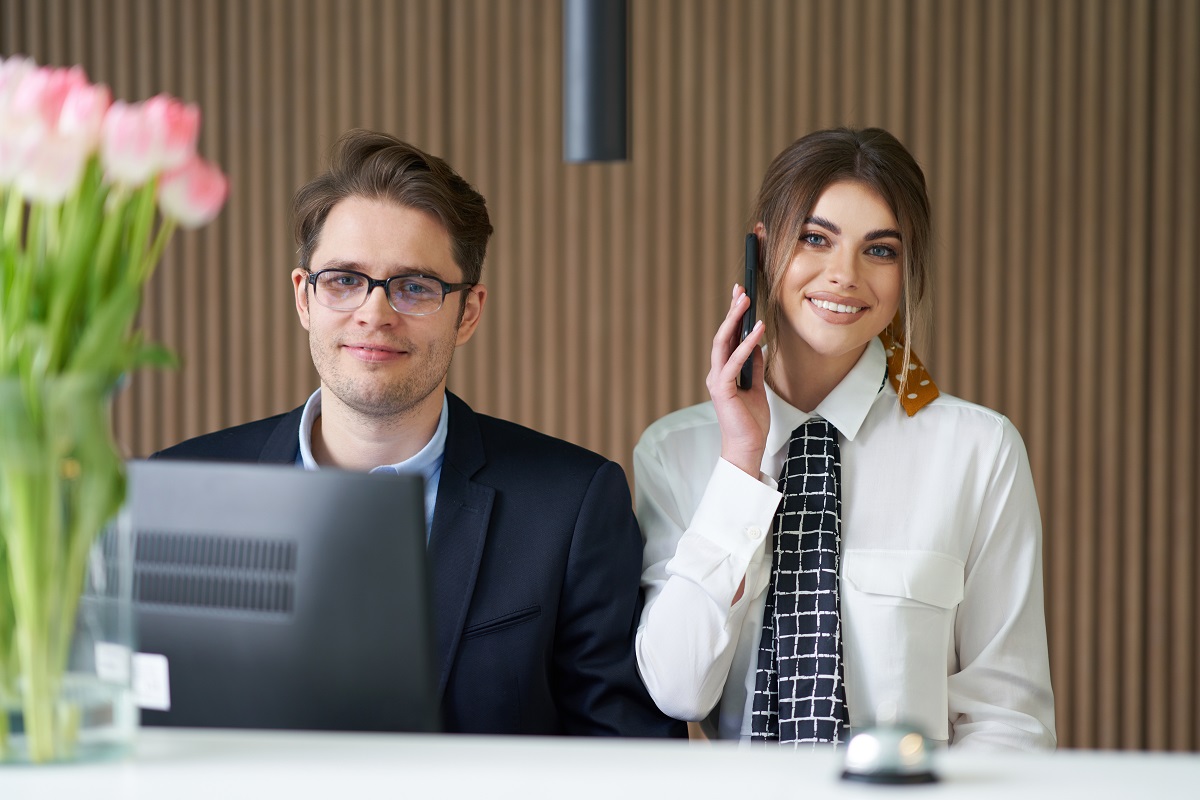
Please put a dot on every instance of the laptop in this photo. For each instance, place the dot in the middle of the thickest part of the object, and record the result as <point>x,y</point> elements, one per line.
<point>275,597</point>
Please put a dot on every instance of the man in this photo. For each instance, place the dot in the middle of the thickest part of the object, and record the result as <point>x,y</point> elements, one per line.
<point>534,550</point>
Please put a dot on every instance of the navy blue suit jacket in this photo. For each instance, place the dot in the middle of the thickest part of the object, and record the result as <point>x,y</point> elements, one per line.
<point>536,558</point>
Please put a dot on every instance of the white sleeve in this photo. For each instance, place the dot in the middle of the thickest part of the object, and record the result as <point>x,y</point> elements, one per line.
<point>1001,694</point>
<point>694,562</point>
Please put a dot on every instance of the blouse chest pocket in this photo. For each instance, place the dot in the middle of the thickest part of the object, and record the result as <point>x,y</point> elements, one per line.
<point>930,578</point>
<point>898,610</point>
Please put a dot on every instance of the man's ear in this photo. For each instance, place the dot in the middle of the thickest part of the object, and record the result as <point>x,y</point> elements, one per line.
<point>472,310</point>
<point>300,285</point>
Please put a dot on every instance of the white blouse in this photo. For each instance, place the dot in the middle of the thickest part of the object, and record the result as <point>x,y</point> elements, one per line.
<point>941,569</point>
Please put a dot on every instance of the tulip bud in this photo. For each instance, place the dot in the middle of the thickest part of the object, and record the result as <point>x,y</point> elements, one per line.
<point>176,126</point>
<point>14,141</point>
<point>128,146</point>
<point>38,99</point>
<point>12,73</point>
<point>193,194</point>
<point>83,112</point>
<point>44,162</point>
<point>52,169</point>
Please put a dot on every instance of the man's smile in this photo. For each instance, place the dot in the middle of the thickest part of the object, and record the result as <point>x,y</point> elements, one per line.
<point>374,352</point>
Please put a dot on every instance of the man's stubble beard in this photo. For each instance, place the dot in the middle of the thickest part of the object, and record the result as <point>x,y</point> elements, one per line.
<point>396,398</point>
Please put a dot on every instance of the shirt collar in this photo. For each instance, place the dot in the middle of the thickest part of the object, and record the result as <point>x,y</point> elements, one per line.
<point>846,407</point>
<point>426,461</point>
<point>312,410</point>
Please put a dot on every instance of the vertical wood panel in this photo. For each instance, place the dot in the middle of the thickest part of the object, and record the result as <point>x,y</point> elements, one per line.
<point>1044,374</point>
<point>1013,340</point>
<point>277,261</point>
<point>1069,513</point>
<point>547,157</point>
<point>1155,237</point>
<point>1127,247</point>
<point>1059,141</point>
<point>1105,414</point>
<point>1177,184</point>
<point>1098,720</point>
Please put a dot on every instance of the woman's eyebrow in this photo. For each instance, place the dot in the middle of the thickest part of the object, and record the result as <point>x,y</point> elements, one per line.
<point>883,233</point>
<point>824,223</point>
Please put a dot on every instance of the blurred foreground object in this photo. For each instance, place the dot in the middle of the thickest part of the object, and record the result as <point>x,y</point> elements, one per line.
<point>90,193</point>
<point>890,752</point>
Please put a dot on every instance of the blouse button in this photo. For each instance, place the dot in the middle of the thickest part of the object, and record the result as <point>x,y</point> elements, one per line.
<point>754,533</point>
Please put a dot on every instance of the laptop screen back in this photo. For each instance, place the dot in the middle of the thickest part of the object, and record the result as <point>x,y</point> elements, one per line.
<point>283,598</point>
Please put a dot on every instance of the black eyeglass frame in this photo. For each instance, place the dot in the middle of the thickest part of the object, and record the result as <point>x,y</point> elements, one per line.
<point>447,288</point>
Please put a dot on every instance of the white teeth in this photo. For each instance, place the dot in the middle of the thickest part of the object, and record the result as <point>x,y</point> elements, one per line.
<point>838,307</point>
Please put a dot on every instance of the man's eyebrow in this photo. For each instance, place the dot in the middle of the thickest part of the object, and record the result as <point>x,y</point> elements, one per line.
<point>397,272</point>
<point>339,263</point>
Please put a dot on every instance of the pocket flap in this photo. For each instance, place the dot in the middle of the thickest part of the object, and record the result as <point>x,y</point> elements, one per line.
<point>501,622</point>
<point>927,577</point>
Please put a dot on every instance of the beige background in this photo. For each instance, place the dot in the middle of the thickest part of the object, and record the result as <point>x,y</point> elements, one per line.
<point>1059,139</point>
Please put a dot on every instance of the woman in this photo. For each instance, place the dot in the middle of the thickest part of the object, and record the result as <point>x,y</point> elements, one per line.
<point>919,586</point>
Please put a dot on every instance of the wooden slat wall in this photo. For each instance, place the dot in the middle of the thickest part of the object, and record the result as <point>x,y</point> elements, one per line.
<point>1060,141</point>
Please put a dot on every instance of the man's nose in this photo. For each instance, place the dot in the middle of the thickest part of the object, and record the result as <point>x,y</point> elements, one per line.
<point>376,306</point>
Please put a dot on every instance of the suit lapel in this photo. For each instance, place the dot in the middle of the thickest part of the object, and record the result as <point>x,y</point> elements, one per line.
<point>283,445</point>
<point>456,541</point>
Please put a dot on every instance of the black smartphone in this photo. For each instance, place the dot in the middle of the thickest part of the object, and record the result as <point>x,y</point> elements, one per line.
<point>751,285</point>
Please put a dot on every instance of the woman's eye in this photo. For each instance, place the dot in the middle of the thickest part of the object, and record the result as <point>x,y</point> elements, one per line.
<point>815,239</point>
<point>881,251</point>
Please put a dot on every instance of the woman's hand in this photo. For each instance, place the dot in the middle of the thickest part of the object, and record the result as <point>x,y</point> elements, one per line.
<point>743,414</point>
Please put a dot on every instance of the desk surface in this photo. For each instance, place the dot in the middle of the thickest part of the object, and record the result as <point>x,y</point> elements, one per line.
<point>221,765</point>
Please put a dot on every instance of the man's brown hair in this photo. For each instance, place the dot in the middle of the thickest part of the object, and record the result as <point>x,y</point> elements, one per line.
<point>377,166</point>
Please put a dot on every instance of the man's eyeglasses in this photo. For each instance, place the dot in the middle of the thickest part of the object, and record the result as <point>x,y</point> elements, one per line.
<point>415,295</point>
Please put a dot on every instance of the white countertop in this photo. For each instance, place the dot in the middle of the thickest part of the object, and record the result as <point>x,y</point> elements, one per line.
<point>222,765</point>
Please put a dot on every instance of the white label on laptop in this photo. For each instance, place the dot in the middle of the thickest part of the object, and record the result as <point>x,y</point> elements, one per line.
<point>112,663</point>
<point>151,682</point>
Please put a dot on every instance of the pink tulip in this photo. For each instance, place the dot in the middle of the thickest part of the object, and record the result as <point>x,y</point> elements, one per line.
<point>83,113</point>
<point>50,127</point>
<point>14,135</point>
<point>39,98</point>
<point>193,193</point>
<point>128,147</point>
<point>12,73</point>
<point>140,140</point>
<point>11,158</point>
<point>52,169</point>
<point>176,126</point>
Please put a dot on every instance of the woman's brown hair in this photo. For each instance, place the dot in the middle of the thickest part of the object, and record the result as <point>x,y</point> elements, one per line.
<point>796,179</point>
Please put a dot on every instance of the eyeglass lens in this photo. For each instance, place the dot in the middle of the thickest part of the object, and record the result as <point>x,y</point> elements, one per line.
<point>408,294</point>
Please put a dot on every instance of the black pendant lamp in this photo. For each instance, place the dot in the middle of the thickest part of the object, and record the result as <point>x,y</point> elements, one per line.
<point>594,80</point>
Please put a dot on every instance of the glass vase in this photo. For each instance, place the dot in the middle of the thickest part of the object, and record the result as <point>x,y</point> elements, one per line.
<point>66,565</point>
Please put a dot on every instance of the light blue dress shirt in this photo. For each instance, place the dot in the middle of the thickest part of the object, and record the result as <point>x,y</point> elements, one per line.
<point>427,462</point>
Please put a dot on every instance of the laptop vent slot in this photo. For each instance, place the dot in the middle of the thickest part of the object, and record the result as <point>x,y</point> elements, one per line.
<point>215,573</point>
